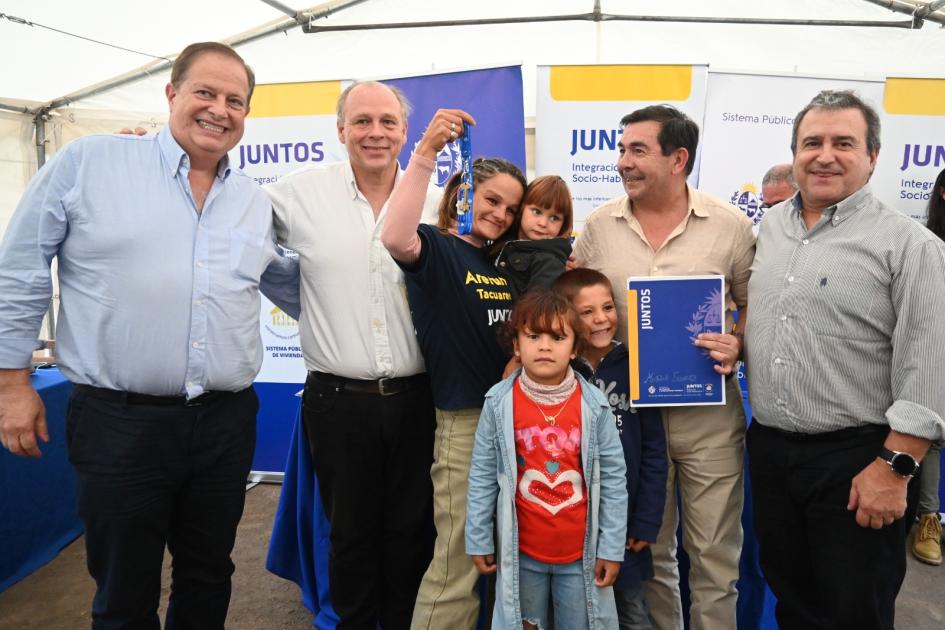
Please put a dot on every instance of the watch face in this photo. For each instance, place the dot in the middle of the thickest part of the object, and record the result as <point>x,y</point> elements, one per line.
<point>903,464</point>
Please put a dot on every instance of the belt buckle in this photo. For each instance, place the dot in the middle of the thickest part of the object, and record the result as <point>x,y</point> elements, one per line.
<point>382,386</point>
<point>196,402</point>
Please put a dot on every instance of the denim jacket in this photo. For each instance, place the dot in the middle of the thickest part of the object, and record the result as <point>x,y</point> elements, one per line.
<point>493,479</point>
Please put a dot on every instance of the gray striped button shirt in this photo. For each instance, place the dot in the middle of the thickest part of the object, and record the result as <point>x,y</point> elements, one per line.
<point>847,320</point>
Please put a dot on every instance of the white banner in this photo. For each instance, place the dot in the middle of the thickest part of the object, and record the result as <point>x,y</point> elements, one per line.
<point>913,153</point>
<point>747,130</point>
<point>577,121</point>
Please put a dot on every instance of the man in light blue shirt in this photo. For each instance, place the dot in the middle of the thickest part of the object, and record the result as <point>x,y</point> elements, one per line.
<point>161,246</point>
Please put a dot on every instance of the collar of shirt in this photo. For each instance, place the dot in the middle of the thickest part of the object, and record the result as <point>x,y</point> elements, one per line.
<point>839,212</point>
<point>178,161</point>
<point>696,207</point>
<point>352,183</point>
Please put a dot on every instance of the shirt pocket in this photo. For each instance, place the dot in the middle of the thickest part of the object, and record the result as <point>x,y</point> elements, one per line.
<point>246,254</point>
<point>849,306</point>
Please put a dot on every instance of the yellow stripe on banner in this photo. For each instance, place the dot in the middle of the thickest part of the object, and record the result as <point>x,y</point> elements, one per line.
<point>633,344</point>
<point>922,97</point>
<point>315,98</point>
<point>621,83</point>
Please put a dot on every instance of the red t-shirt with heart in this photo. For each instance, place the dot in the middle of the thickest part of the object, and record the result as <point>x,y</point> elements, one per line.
<point>551,497</point>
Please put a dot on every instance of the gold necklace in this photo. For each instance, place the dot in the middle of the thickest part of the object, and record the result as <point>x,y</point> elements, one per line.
<point>552,418</point>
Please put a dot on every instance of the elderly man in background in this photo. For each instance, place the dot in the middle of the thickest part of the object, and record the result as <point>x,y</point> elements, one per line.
<point>161,245</point>
<point>845,354</point>
<point>777,185</point>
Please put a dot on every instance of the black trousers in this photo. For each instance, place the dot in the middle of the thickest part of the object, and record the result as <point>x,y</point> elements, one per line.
<point>372,456</point>
<point>826,571</point>
<point>150,476</point>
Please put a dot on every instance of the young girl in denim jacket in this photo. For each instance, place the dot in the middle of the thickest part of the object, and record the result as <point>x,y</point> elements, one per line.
<point>548,474</point>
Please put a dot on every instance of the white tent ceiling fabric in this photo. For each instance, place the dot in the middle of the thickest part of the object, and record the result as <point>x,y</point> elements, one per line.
<point>41,65</point>
<point>50,65</point>
<point>17,161</point>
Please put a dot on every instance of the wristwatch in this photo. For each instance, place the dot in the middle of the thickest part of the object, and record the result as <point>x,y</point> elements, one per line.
<point>903,464</point>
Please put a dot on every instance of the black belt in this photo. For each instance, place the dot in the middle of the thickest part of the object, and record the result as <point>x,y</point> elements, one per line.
<point>380,387</point>
<point>131,398</point>
<point>826,436</point>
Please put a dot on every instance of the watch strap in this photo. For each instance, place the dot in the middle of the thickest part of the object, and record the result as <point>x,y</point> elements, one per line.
<point>888,456</point>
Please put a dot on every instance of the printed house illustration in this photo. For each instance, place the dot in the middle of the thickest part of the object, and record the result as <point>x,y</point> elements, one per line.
<point>279,318</point>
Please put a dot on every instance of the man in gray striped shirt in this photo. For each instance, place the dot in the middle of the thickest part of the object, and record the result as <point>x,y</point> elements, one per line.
<point>845,351</point>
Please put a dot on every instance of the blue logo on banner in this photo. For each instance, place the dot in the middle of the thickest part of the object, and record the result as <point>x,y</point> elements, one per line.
<point>448,161</point>
<point>747,200</point>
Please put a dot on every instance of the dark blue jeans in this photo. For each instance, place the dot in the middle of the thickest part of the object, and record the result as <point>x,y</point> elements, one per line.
<point>826,571</point>
<point>150,476</point>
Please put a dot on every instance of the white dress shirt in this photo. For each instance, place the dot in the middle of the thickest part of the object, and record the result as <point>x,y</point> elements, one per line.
<point>355,321</point>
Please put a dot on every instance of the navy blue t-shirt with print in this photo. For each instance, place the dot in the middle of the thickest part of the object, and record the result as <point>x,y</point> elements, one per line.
<point>458,301</point>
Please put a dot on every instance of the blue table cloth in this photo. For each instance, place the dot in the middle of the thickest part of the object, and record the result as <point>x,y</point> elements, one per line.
<point>37,496</point>
<point>275,425</point>
<point>298,550</point>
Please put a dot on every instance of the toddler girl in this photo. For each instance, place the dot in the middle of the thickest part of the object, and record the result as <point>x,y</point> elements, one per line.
<point>542,231</point>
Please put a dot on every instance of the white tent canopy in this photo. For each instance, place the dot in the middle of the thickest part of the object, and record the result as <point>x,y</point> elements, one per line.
<point>43,66</point>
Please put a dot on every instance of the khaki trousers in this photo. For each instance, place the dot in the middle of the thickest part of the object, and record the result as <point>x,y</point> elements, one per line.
<point>448,597</point>
<point>705,451</point>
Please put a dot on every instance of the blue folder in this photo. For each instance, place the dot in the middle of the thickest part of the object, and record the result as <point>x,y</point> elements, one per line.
<point>665,316</point>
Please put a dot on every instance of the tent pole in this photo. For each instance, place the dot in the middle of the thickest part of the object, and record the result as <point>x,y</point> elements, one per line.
<point>597,28</point>
<point>924,12</point>
<point>918,12</point>
<point>13,108</point>
<point>39,130</point>
<point>335,6</point>
<point>298,16</point>
<point>611,17</point>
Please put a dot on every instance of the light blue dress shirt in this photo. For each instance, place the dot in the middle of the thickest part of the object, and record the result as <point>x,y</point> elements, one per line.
<point>154,297</point>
